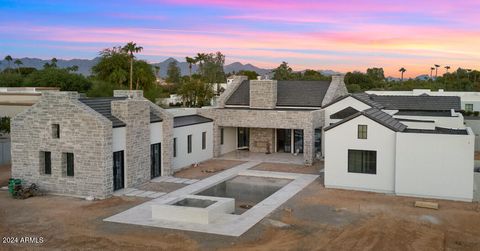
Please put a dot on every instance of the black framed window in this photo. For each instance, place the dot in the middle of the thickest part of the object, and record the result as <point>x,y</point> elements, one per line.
<point>469,107</point>
<point>204,140</point>
<point>55,131</point>
<point>221,136</point>
<point>360,161</point>
<point>189,143</point>
<point>362,131</point>
<point>47,162</point>
<point>174,147</point>
<point>70,164</point>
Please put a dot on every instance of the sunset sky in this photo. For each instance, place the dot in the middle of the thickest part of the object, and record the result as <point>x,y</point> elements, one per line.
<point>339,35</point>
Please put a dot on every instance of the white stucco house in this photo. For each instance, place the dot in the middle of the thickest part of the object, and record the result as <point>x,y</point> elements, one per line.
<point>406,145</point>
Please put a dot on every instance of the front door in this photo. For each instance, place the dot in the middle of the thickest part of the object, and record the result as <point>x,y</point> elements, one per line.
<point>118,171</point>
<point>156,159</point>
<point>242,138</point>
<point>284,140</point>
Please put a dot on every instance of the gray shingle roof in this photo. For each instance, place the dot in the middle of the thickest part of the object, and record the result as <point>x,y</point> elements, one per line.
<point>424,113</point>
<point>104,107</point>
<point>190,120</point>
<point>289,93</point>
<point>418,103</point>
<point>349,111</point>
<point>439,130</point>
<point>376,115</point>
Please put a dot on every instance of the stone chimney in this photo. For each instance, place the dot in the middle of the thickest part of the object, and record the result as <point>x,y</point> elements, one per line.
<point>135,113</point>
<point>336,89</point>
<point>263,94</point>
<point>135,94</point>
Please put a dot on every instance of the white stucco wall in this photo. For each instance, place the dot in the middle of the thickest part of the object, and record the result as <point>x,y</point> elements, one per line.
<point>183,158</point>
<point>435,165</point>
<point>419,125</point>
<point>475,126</point>
<point>156,133</point>
<point>340,105</point>
<point>446,122</point>
<point>343,137</point>
<point>118,139</point>
<point>229,140</point>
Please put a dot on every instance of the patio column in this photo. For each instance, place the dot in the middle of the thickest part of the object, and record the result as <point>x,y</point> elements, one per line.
<point>216,141</point>
<point>308,146</point>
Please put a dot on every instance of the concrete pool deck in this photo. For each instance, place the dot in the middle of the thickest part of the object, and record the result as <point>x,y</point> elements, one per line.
<point>227,224</point>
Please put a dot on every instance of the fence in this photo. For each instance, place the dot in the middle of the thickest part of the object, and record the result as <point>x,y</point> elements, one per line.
<point>5,157</point>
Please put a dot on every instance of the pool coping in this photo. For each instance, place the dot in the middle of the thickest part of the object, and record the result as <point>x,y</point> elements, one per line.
<point>228,224</point>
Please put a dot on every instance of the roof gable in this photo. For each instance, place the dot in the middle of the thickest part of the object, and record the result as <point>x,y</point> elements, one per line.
<point>349,111</point>
<point>376,115</point>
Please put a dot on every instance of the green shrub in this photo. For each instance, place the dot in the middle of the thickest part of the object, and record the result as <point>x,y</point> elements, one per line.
<point>4,125</point>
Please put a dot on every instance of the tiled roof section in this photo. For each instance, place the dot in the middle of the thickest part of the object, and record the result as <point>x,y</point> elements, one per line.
<point>362,97</point>
<point>439,130</point>
<point>241,96</point>
<point>424,113</point>
<point>376,115</point>
<point>365,98</point>
<point>104,107</point>
<point>418,103</point>
<point>301,93</point>
<point>289,93</point>
<point>190,120</point>
<point>349,111</point>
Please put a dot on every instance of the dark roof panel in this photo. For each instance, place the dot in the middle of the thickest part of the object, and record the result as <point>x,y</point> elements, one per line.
<point>349,111</point>
<point>301,93</point>
<point>289,93</point>
<point>189,120</point>
<point>418,103</point>
<point>424,113</point>
<point>104,107</point>
<point>376,115</point>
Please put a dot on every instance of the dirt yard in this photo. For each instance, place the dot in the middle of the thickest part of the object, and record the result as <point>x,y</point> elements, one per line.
<point>207,169</point>
<point>276,167</point>
<point>4,175</point>
<point>477,155</point>
<point>317,218</point>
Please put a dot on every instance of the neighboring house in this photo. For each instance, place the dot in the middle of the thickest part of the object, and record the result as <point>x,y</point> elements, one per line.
<point>14,100</point>
<point>272,116</point>
<point>407,145</point>
<point>470,101</point>
<point>93,146</point>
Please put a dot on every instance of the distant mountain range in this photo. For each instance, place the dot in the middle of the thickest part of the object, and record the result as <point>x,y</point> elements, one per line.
<point>85,65</point>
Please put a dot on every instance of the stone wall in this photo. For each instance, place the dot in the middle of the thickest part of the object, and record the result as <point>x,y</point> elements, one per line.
<point>263,94</point>
<point>262,140</point>
<point>306,120</point>
<point>167,139</point>
<point>336,89</point>
<point>83,132</point>
<point>136,114</point>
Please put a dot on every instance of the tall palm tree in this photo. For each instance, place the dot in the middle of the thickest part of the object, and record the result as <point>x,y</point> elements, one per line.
<point>131,48</point>
<point>190,62</point>
<point>54,62</point>
<point>200,59</point>
<point>431,72</point>
<point>9,59</point>
<point>436,70</point>
<point>447,67</point>
<point>18,62</point>
<point>402,70</point>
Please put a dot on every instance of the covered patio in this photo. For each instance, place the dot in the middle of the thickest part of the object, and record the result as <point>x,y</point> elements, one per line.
<point>278,157</point>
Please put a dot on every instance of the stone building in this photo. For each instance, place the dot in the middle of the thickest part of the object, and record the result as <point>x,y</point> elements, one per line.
<point>92,146</point>
<point>272,116</point>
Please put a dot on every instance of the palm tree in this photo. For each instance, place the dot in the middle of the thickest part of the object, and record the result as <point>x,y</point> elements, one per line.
<point>18,62</point>
<point>436,70</point>
<point>431,72</point>
<point>447,67</point>
<point>402,70</point>
<point>200,59</point>
<point>9,59</point>
<point>54,63</point>
<point>190,61</point>
<point>131,48</point>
